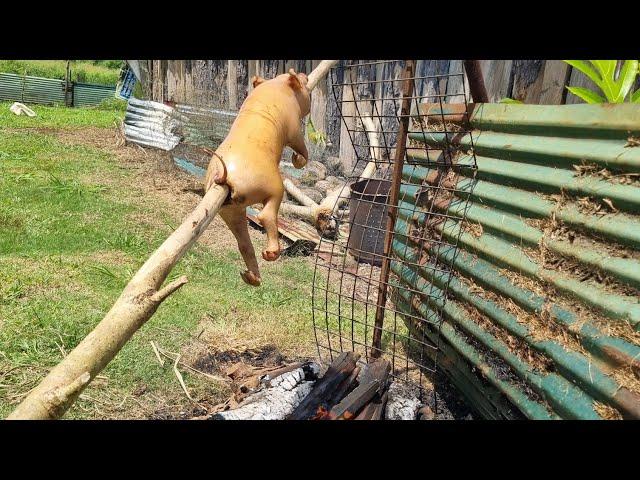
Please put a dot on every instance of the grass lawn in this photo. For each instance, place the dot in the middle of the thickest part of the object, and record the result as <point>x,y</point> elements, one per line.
<point>78,216</point>
<point>104,72</point>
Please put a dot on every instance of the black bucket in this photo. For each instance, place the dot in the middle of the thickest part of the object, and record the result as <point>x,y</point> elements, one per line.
<point>368,218</point>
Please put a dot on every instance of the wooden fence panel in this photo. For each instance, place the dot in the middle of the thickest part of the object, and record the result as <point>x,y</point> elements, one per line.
<point>333,122</point>
<point>526,83</point>
<point>497,74</point>
<point>556,76</point>
<point>457,85</point>
<point>232,84</point>
<point>348,108</point>
<point>225,84</point>
<point>319,102</point>
<point>242,77</point>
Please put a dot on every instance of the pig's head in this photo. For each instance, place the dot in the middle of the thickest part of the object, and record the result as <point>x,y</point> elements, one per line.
<point>298,82</point>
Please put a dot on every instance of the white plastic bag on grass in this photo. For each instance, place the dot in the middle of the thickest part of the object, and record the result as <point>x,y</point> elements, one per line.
<point>19,109</point>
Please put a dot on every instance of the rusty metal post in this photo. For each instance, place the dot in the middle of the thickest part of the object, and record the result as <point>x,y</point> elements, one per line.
<point>407,93</point>
<point>476,81</point>
<point>68,88</point>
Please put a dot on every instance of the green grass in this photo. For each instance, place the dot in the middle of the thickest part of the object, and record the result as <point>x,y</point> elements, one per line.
<point>105,115</point>
<point>70,239</point>
<point>104,72</point>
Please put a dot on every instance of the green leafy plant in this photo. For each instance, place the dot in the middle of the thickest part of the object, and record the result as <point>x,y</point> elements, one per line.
<point>316,136</point>
<point>603,74</point>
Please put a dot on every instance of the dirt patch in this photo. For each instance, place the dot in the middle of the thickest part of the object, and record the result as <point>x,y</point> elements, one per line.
<point>267,356</point>
<point>240,367</point>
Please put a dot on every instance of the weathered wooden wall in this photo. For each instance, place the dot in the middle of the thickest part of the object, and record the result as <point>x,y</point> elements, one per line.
<point>225,84</point>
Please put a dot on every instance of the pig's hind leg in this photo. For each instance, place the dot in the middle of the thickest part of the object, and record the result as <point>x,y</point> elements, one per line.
<point>269,219</point>
<point>236,220</point>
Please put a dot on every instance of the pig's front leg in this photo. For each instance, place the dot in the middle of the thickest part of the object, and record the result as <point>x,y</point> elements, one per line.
<point>300,154</point>
<point>236,219</point>
<point>269,219</point>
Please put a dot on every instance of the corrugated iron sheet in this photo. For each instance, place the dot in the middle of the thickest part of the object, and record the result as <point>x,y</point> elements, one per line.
<point>91,94</point>
<point>151,124</point>
<point>26,89</point>
<point>50,91</point>
<point>11,87</point>
<point>203,126</point>
<point>544,311</point>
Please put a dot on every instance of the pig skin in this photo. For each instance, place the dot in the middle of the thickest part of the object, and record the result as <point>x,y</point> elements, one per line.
<point>248,160</point>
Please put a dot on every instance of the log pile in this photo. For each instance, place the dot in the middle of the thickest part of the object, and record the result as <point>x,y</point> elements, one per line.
<point>346,391</point>
<point>324,215</point>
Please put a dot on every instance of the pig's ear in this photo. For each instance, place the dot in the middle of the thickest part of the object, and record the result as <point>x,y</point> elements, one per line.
<point>294,80</point>
<point>255,81</point>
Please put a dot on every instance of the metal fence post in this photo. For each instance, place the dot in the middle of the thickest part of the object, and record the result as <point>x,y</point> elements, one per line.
<point>407,93</point>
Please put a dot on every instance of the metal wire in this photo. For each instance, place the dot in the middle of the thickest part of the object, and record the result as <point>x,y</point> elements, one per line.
<point>433,194</point>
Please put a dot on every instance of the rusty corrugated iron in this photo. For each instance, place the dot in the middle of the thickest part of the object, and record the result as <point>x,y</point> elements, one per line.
<point>545,311</point>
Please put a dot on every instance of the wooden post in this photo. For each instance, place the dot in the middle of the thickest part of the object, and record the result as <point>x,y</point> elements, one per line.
<point>554,81</point>
<point>232,84</point>
<point>476,81</point>
<point>496,74</point>
<point>68,89</point>
<point>457,84</point>
<point>527,80</point>
<point>319,103</point>
<point>348,111</point>
<point>407,92</point>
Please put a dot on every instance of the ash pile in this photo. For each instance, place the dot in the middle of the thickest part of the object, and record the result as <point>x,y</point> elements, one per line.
<point>345,391</point>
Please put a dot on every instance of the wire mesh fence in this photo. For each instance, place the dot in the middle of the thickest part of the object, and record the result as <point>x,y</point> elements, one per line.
<point>380,287</point>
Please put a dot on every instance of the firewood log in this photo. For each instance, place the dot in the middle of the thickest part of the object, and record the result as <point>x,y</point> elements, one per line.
<point>374,409</point>
<point>373,381</point>
<point>321,394</point>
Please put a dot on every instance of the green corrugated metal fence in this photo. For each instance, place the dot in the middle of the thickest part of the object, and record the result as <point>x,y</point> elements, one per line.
<point>544,309</point>
<point>91,94</point>
<point>49,91</point>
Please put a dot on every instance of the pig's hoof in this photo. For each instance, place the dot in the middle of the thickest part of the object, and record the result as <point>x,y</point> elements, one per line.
<point>298,160</point>
<point>270,256</point>
<point>250,278</point>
